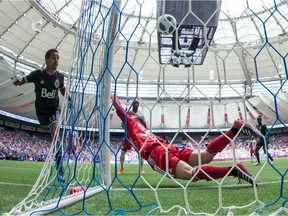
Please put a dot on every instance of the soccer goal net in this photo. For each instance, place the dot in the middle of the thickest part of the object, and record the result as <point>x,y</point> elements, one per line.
<point>110,55</point>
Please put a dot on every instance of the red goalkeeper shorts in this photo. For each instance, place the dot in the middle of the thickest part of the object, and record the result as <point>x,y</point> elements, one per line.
<point>126,146</point>
<point>157,158</point>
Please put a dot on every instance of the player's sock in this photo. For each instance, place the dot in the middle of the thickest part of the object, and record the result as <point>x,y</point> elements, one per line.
<point>257,157</point>
<point>269,156</point>
<point>122,157</point>
<point>220,142</point>
<point>59,161</point>
<point>141,163</point>
<point>210,172</point>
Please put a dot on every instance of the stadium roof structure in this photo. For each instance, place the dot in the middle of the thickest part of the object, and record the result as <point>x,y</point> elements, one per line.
<point>249,48</point>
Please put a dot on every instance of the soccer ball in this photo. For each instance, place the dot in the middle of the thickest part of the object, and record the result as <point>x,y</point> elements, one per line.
<point>166,24</point>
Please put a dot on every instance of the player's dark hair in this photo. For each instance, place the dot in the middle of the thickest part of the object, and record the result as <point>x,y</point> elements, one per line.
<point>49,53</point>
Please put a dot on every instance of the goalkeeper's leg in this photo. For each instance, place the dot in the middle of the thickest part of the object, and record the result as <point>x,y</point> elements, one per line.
<point>186,172</point>
<point>216,145</point>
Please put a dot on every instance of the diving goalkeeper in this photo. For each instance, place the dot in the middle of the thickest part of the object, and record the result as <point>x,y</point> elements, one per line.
<point>182,164</point>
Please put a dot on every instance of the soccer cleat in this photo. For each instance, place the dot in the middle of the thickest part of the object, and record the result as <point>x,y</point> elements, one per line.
<point>243,173</point>
<point>142,172</point>
<point>257,163</point>
<point>246,129</point>
<point>60,178</point>
<point>120,171</point>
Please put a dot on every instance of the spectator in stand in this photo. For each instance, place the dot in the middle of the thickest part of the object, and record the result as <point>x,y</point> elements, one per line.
<point>13,141</point>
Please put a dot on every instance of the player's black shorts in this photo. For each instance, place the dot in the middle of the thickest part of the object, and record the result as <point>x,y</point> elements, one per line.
<point>261,143</point>
<point>46,119</point>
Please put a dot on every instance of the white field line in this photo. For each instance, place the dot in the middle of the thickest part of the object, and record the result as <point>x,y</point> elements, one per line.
<point>16,168</point>
<point>135,189</point>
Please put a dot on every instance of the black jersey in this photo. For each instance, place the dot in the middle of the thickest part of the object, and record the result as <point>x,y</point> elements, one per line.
<point>46,90</point>
<point>263,130</point>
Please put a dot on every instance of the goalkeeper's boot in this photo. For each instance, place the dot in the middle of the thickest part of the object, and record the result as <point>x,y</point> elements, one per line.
<point>245,128</point>
<point>243,173</point>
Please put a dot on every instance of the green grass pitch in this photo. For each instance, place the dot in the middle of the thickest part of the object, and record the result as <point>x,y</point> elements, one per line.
<point>17,179</point>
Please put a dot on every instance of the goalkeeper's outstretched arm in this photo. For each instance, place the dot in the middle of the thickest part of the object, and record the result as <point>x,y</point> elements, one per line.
<point>119,109</point>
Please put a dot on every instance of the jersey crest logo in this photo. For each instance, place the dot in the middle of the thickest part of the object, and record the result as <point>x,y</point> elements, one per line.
<point>57,83</point>
<point>42,82</point>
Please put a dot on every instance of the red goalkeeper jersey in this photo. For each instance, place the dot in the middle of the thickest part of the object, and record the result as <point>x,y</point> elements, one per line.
<point>153,148</point>
<point>126,146</point>
<point>138,134</point>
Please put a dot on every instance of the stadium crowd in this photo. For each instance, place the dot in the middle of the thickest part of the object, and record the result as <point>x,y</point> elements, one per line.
<point>20,145</point>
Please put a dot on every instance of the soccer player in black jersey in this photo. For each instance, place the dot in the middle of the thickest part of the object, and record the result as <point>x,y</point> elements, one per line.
<point>47,83</point>
<point>261,142</point>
